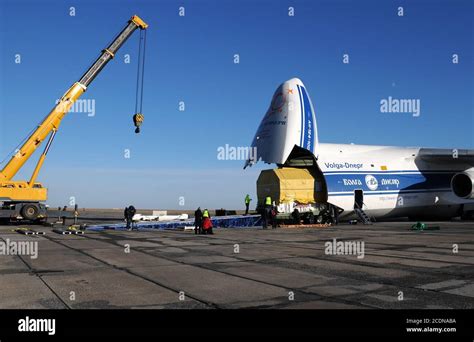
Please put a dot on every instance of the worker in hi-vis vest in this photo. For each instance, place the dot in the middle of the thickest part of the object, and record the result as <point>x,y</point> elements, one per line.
<point>268,201</point>
<point>247,204</point>
<point>206,222</point>
<point>266,212</point>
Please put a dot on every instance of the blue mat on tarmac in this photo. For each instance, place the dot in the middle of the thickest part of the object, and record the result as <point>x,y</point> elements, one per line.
<point>234,221</point>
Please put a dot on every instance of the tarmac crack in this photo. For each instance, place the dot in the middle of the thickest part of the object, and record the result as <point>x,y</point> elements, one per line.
<point>297,291</point>
<point>37,274</point>
<point>131,272</point>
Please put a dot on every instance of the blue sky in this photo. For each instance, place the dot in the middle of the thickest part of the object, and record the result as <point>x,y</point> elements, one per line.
<point>191,59</point>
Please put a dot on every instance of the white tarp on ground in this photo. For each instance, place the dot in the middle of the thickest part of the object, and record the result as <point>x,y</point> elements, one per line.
<point>140,217</point>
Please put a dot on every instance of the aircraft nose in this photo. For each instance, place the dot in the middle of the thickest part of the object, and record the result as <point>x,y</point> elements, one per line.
<point>288,122</point>
<point>287,95</point>
<point>294,82</point>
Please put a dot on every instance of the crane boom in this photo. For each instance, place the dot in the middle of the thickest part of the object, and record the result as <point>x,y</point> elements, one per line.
<point>17,191</point>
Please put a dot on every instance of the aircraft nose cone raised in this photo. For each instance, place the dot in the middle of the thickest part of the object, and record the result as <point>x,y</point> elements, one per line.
<point>286,97</point>
<point>288,122</point>
<point>294,82</point>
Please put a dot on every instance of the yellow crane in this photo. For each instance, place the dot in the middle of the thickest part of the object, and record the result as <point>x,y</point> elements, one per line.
<point>22,199</point>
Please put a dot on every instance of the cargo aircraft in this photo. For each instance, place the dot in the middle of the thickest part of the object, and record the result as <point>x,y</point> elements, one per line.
<point>381,181</point>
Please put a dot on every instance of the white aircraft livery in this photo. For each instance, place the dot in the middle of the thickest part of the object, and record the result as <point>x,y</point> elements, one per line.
<point>385,181</point>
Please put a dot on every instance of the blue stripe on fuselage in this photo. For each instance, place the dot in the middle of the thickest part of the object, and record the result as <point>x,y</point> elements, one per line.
<point>309,122</point>
<point>302,116</point>
<point>366,193</point>
<point>343,181</point>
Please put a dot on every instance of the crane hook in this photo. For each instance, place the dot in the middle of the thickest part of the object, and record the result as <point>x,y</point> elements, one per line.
<point>138,117</point>
<point>137,121</point>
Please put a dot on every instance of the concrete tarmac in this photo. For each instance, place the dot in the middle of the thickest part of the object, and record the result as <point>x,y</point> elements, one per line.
<point>244,268</point>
